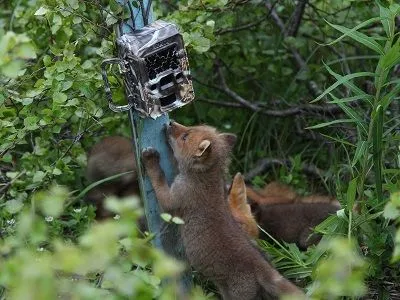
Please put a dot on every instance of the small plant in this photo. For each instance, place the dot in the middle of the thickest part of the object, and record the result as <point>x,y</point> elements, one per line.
<point>108,260</point>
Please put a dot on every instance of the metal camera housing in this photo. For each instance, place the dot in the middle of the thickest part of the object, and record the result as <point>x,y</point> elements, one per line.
<point>156,72</point>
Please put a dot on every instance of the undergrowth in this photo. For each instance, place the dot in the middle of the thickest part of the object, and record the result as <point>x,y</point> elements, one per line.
<point>346,142</point>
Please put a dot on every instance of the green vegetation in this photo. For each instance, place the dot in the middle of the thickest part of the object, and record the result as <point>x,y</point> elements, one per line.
<point>311,89</point>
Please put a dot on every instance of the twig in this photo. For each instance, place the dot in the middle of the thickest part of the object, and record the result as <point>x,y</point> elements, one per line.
<point>267,163</point>
<point>300,62</point>
<point>297,17</point>
<point>240,28</point>
<point>7,185</point>
<point>295,110</point>
<point>231,93</point>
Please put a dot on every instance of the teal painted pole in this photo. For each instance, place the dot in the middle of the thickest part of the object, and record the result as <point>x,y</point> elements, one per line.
<point>148,132</point>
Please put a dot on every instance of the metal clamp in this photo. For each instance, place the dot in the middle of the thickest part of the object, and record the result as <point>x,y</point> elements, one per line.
<point>111,104</point>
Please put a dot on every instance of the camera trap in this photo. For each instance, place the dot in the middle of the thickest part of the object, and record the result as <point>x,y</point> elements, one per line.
<point>155,68</point>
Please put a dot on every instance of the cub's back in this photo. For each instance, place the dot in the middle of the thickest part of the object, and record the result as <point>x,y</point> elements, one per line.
<point>110,156</point>
<point>289,221</point>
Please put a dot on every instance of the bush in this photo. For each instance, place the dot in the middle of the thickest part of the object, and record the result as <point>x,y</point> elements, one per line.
<point>257,65</point>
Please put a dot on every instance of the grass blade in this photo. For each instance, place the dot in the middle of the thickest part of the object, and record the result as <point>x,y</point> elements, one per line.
<point>360,37</point>
<point>360,152</point>
<point>331,123</point>
<point>354,29</point>
<point>351,194</point>
<point>377,151</point>
<point>356,90</point>
<point>352,114</point>
<point>338,140</point>
<point>350,99</point>
<point>341,81</point>
<point>94,184</point>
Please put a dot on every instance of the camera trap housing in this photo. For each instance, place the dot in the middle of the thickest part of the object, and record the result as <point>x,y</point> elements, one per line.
<point>155,67</point>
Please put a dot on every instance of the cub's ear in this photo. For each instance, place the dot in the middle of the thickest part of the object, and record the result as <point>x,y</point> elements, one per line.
<point>229,138</point>
<point>204,145</point>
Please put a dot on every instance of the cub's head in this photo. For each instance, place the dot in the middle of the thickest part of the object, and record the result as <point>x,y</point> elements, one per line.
<point>199,148</point>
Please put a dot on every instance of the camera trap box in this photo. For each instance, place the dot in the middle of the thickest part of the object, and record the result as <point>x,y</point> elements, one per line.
<point>156,69</point>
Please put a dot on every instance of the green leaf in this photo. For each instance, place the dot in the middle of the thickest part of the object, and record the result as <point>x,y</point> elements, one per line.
<point>395,198</point>
<point>200,44</point>
<point>350,99</point>
<point>351,194</point>
<point>166,217</point>
<point>110,19</point>
<point>358,36</point>
<point>331,123</point>
<point>73,3</point>
<point>59,97</point>
<point>41,11</point>
<point>31,123</point>
<point>66,85</point>
<point>177,220</point>
<point>56,171</point>
<point>391,211</point>
<point>94,184</point>
<point>362,146</point>
<point>14,206</point>
<point>377,151</point>
<point>52,202</point>
<point>27,101</point>
<point>350,112</point>
<point>356,90</point>
<point>391,57</point>
<point>26,51</point>
<point>38,177</point>
<point>388,98</point>
<point>12,68</point>
<point>387,20</point>
<point>341,81</point>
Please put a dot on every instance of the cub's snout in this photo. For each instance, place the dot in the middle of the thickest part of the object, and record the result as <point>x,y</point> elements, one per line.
<point>174,130</point>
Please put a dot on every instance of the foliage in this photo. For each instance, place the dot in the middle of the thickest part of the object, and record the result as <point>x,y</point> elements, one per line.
<point>108,260</point>
<point>52,109</point>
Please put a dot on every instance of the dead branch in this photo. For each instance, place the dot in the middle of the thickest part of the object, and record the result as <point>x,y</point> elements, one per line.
<point>241,27</point>
<point>266,164</point>
<point>292,111</point>
<point>231,93</point>
<point>297,17</point>
<point>300,62</point>
<point>260,107</point>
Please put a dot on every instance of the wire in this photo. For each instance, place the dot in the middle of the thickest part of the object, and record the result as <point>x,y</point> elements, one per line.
<point>142,10</point>
<point>132,15</point>
<point>147,14</point>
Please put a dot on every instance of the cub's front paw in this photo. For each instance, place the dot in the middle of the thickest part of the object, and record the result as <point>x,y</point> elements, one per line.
<point>150,156</point>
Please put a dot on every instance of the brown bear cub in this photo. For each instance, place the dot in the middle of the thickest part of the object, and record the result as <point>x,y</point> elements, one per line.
<point>214,244</point>
<point>111,156</point>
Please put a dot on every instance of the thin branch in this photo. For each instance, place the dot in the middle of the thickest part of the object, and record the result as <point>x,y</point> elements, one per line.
<point>260,107</point>
<point>241,27</point>
<point>267,163</point>
<point>300,62</point>
<point>297,17</point>
<point>8,184</point>
<point>292,111</point>
<point>220,103</point>
<point>246,26</point>
<point>231,93</point>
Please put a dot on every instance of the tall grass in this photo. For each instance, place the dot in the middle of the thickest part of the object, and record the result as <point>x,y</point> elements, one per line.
<point>373,166</point>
